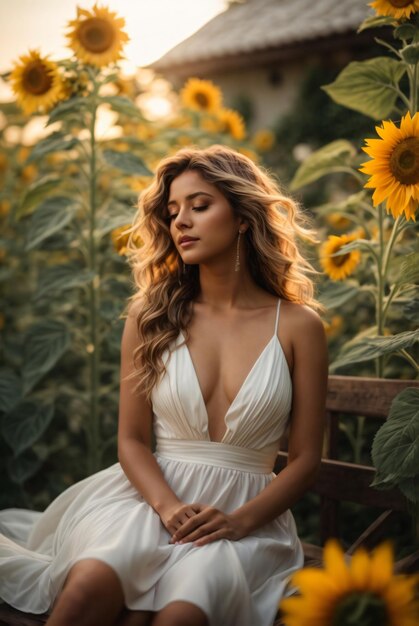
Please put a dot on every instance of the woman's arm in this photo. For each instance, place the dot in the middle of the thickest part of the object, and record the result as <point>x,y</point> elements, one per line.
<point>134,439</point>
<point>309,379</point>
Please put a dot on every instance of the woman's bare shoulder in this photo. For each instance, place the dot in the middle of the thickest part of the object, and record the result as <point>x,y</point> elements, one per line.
<point>300,317</point>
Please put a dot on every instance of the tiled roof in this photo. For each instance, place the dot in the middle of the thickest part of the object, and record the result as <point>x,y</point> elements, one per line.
<point>256,25</point>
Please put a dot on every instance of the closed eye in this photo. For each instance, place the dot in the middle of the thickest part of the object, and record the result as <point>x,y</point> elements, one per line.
<point>195,208</point>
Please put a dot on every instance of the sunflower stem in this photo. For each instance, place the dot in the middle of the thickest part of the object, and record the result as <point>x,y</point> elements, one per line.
<point>93,434</point>
<point>409,358</point>
<point>397,227</point>
<point>379,362</point>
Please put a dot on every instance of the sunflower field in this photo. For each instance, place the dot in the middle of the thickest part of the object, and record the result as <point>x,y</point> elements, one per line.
<point>68,193</point>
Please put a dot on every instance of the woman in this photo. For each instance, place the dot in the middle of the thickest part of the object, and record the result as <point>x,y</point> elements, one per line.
<point>221,350</point>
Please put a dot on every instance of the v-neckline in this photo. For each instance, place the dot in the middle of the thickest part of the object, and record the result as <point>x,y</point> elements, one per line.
<point>198,385</point>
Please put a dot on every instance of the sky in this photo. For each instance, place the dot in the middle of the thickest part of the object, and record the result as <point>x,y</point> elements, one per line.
<point>154,26</point>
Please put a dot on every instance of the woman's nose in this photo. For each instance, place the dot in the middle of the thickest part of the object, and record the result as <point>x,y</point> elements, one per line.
<point>183,218</point>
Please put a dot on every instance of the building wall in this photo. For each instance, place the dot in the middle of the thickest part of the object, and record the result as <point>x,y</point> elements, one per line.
<point>271,90</point>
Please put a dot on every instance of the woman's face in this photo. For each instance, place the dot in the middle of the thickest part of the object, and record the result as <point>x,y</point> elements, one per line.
<point>201,212</point>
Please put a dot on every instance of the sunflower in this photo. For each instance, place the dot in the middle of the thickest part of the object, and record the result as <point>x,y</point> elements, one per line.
<point>37,83</point>
<point>394,168</point>
<point>342,265</point>
<point>201,95</point>
<point>366,588</point>
<point>336,220</point>
<point>97,37</point>
<point>395,8</point>
<point>232,123</point>
<point>263,140</point>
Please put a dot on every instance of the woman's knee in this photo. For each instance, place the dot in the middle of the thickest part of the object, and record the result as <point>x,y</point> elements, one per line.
<point>180,614</point>
<point>91,586</point>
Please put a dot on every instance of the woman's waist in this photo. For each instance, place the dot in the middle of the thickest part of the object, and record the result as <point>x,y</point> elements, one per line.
<point>218,454</point>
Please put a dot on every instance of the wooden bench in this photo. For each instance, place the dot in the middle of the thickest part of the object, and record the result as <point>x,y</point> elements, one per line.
<point>337,481</point>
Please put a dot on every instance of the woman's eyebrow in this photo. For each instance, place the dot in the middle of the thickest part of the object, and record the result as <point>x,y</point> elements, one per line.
<point>191,196</point>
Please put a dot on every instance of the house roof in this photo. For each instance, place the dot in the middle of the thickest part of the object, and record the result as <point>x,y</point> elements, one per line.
<point>256,26</point>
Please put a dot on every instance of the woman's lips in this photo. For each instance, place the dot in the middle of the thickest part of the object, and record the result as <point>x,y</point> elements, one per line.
<point>188,242</point>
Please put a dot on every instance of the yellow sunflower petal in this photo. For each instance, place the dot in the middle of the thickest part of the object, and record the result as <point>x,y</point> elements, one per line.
<point>96,36</point>
<point>381,566</point>
<point>360,569</point>
<point>395,8</point>
<point>394,165</point>
<point>335,564</point>
<point>201,95</point>
<point>37,83</point>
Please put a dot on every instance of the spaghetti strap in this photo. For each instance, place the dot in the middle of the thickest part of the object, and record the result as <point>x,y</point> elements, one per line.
<point>277,316</point>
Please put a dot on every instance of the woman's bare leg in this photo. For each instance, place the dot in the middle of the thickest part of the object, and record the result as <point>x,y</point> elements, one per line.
<point>180,614</point>
<point>92,595</point>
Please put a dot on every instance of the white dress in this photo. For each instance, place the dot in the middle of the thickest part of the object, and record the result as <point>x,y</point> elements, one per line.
<point>236,583</point>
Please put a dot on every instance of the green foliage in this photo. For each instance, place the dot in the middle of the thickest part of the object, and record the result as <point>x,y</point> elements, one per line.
<point>381,295</point>
<point>369,87</point>
<point>395,449</point>
<point>335,157</point>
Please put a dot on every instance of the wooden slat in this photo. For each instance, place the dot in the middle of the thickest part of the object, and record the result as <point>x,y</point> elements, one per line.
<point>364,396</point>
<point>374,533</point>
<point>350,482</point>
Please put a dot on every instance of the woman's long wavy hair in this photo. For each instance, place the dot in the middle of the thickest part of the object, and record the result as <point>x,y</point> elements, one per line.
<point>165,292</point>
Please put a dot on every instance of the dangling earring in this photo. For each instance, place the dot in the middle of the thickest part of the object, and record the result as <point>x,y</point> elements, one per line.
<point>237,264</point>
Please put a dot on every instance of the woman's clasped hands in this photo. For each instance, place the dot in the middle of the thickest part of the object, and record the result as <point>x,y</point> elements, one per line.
<point>201,524</point>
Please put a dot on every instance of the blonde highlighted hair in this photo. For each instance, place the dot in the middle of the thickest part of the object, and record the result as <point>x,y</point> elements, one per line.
<point>165,293</point>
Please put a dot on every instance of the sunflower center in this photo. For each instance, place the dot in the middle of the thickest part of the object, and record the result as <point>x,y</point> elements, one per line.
<point>399,4</point>
<point>361,609</point>
<point>404,161</point>
<point>96,35</point>
<point>36,78</point>
<point>341,259</point>
<point>201,99</point>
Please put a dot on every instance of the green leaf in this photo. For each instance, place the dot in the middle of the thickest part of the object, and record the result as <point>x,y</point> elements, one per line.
<point>410,488</point>
<point>409,270</point>
<point>23,467</point>
<point>350,204</point>
<point>55,142</point>
<point>411,310</point>
<point>411,53</point>
<point>50,217</point>
<point>37,192</point>
<point>26,423</point>
<point>405,31</point>
<point>368,86</point>
<point>334,157</point>
<point>55,280</point>
<point>376,21</point>
<point>395,449</point>
<point>335,295</point>
<point>373,347</point>
<point>126,162</point>
<point>117,215</point>
<point>10,389</point>
<point>123,105</point>
<point>65,108</point>
<point>358,244</point>
<point>45,343</point>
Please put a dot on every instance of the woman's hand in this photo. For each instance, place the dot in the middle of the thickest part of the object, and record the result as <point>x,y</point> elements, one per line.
<point>174,516</point>
<point>208,524</point>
